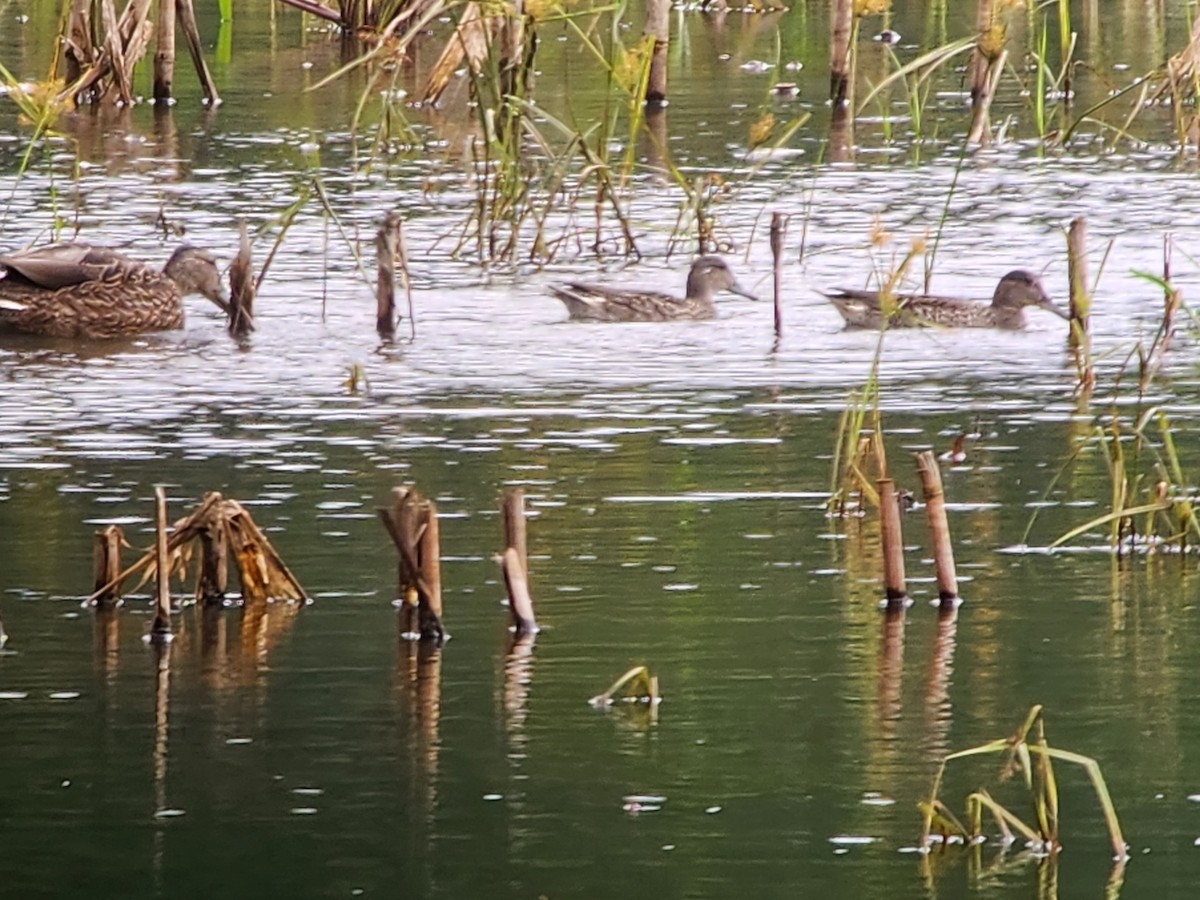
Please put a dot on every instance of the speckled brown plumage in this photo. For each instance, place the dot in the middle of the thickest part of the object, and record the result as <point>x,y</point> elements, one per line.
<point>601,303</point>
<point>1016,290</point>
<point>79,291</point>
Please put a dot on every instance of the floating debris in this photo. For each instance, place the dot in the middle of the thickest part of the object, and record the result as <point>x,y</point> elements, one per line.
<point>492,798</point>
<point>851,840</point>
<point>64,695</point>
<point>642,803</point>
<point>874,798</point>
<point>642,687</point>
<point>169,813</point>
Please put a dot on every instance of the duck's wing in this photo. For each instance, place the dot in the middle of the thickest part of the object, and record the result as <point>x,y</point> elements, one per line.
<point>57,266</point>
<point>596,302</point>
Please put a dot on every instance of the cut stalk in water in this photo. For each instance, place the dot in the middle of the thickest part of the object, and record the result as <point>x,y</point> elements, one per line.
<point>161,628</point>
<point>892,539</point>
<point>411,522</point>
<point>778,231</point>
<point>164,51</point>
<point>241,287</point>
<point>106,566</point>
<point>515,562</point>
<point>658,33</point>
<point>939,527</point>
<point>1080,304</point>
<point>840,49</point>
<point>387,245</point>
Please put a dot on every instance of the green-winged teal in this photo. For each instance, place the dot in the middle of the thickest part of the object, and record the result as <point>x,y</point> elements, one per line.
<point>600,303</point>
<point>80,291</point>
<point>1016,290</point>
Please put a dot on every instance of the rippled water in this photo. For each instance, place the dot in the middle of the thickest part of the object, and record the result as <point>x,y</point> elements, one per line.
<point>676,475</point>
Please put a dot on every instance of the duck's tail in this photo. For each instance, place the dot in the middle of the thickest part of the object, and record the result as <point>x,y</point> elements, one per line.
<point>579,305</point>
<point>12,306</point>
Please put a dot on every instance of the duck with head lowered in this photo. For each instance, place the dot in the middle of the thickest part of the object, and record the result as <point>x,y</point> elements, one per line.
<point>74,290</point>
<point>1016,290</point>
<point>601,303</point>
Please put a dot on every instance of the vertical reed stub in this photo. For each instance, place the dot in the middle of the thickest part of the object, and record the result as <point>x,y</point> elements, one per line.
<point>1081,301</point>
<point>164,51</point>
<point>892,539</point>
<point>778,231</point>
<point>939,527</point>
<point>387,243</point>
<point>241,287</point>
<point>106,566</point>
<point>214,559</point>
<point>839,51</point>
<point>515,563</point>
<point>162,610</point>
<point>658,27</point>
<point>412,524</point>
<point>983,54</point>
<point>191,34</point>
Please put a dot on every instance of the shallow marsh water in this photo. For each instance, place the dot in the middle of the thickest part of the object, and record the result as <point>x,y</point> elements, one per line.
<point>676,474</point>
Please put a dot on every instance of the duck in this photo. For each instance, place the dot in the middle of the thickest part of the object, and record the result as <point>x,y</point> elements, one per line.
<point>601,303</point>
<point>76,290</point>
<point>1016,290</point>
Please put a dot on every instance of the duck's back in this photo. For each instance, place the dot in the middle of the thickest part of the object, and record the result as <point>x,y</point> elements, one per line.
<point>597,303</point>
<point>80,291</point>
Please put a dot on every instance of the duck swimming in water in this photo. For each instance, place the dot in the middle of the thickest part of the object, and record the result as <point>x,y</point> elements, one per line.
<point>75,290</point>
<point>1016,290</point>
<point>600,303</point>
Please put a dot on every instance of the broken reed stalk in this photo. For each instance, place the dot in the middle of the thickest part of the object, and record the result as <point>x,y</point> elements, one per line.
<point>263,572</point>
<point>191,34</point>
<point>411,522</point>
<point>387,244</point>
<point>164,52</point>
<point>892,539</point>
<point>512,510</point>
<point>939,527</point>
<point>515,563</point>
<point>658,27</point>
<point>241,288</point>
<point>520,602</point>
<point>106,565</point>
<point>778,230</point>
<point>162,611</point>
<point>979,131</point>
<point>213,578</point>
<point>1078,274</point>
<point>839,51</point>
<point>981,57</point>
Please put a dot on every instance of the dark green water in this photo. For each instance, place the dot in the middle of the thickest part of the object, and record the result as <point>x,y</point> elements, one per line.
<point>676,474</point>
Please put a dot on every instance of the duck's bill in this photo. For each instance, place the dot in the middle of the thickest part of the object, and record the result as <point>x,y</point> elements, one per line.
<point>1050,306</point>
<point>218,296</point>
<point>742,292</point>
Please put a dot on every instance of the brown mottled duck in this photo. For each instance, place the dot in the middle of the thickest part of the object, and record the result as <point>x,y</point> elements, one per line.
<point>80,291</point>
<point>1016,290</point>
<point>601,303</point>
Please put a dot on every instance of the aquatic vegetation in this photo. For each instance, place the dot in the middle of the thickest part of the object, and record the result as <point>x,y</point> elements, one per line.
<point>1027,755</point>
<point>639,687</point>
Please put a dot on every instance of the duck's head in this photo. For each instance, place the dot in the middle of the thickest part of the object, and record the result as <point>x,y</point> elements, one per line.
<point>195,271</point>
<point>711,274</point>
<point>1021,288</point>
